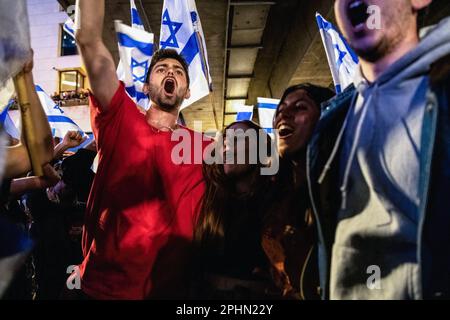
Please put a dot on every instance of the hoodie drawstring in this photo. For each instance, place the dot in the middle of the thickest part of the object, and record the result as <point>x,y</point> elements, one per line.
<point>365,108</point>
<point>336,145</point>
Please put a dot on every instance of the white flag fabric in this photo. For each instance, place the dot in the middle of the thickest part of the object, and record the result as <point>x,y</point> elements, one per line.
<point>8,123</point>
<point>341,58</point>
<point>181,29</point>
<point>59,122</point>
<point>14,38</point>
<point>244,113</point>
<point>266,112</point>
<point>136,23</point>
<point>135,50</point>
<point>69,27</point>
<point>6,93</point>
<point>14,44</point>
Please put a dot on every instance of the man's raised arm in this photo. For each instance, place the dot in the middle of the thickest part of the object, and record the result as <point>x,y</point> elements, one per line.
<point>96,57</point>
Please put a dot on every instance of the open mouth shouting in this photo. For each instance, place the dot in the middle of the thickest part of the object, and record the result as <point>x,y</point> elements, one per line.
<point>285,131</point>
<point>357,14</point>
<point>169,85</point>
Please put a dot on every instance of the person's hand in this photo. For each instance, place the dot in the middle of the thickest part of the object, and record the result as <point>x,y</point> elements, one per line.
<point>50,177</point>
<point>67,154</point>
<point>91,146</point>
<point>73,139</point>
<point>28,66</point>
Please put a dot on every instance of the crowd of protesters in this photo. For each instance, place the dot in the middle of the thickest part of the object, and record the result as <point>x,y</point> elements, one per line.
<point>362,183</point>
<point>76,97</point>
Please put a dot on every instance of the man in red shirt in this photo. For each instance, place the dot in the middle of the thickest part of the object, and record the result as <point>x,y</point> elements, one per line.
<point>143,207</point>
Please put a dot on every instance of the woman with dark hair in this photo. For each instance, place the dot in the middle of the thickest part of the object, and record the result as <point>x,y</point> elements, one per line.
<point>230,259</point>
<point>289,234</point>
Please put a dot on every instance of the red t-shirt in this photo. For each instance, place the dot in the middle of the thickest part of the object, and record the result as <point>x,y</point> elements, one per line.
<point>142,208</point>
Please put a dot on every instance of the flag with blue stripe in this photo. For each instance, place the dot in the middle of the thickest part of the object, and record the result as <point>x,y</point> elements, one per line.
<point>69,27</point>
<point>59,122</point>
<point>8,123</point>
<point>341,58</point>
<point>266,113</point>
<point>136,51</point>
<point>136,21</point>
<point>244,113</point>
<point>181,29</point>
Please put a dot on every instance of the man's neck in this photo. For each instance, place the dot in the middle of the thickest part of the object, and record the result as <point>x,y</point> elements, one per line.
<point>162,119</point>
<point>373,70</point>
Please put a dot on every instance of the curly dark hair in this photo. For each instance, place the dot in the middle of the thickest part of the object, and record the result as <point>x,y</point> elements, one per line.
<point>162,54</point>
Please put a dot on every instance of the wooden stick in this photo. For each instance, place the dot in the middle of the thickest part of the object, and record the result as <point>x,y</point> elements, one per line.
<point>28,128</point>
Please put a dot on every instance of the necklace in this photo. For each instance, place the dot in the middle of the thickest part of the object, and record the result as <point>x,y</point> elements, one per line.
<point>159,126</point>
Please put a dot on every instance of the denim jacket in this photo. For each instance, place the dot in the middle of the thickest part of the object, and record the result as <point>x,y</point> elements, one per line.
<point>434,183</point>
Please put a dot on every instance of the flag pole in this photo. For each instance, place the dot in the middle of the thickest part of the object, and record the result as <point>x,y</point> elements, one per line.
<point>28,128</point>
<point>207,76</point>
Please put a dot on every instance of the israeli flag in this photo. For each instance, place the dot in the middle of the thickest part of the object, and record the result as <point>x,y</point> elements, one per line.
<point>136,21</point>
<point>244,113</point>
<point>8,123</point>
<point>135,50</point>
<point>181,30</point>
<point>136,61</point>
<point>59,123</point>
<point>266,112</point>
<point>341,58</point>
<point>69,27</point>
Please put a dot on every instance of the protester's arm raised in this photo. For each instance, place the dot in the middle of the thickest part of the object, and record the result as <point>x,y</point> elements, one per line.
<point>97,59</point>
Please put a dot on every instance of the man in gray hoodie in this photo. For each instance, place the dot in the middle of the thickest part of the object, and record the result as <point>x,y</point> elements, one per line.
<point>379,161</point>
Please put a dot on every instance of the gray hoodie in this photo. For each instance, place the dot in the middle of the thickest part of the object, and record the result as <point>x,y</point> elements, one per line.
<point>375,253</point>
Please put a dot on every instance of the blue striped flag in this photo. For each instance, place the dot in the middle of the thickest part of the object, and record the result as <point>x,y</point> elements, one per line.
<point>341,58</point>
<point>136,50</point>
<point>136,21</point>
<point>266,112</point>
<point>59,122</point>
<point>8,123</point>
<point>181,29</point>
<point>69,27</point>
<point>244,113</point>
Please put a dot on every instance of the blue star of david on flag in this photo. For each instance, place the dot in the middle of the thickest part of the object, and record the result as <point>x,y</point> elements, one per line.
<point>139,70</point>
<point>194,17</point>
<point>135,50</point>
<point>181,29</point>
<point>341,55</point>
<point>173,26</point>
<point>57,107</point>
<point>342,60</point>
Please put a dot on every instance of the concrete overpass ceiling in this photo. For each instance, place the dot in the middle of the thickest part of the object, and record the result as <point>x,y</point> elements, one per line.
<point>255,48</point>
